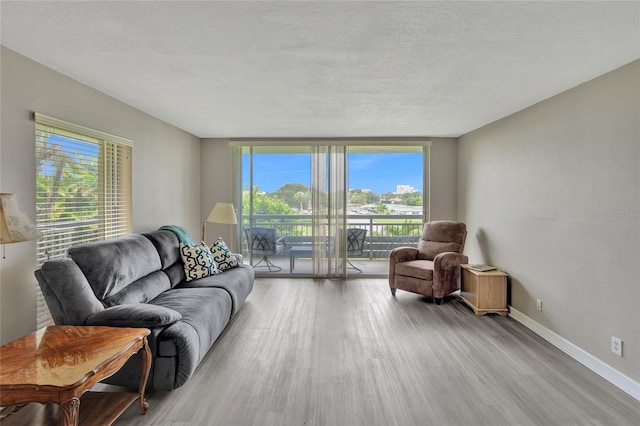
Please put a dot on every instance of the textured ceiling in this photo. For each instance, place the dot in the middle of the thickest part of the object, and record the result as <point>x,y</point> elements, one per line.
<point>326,69</point>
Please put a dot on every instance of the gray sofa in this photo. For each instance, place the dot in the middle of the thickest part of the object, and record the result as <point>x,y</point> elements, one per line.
<point>139,281</point>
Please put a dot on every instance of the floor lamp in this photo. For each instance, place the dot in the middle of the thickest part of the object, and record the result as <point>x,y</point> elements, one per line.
<point>15,225</point>
<point>221,213</point>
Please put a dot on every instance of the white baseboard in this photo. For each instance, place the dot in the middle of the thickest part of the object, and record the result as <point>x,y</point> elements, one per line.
<point>604,370</point>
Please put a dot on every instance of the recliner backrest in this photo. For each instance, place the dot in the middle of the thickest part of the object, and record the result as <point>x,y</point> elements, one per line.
<point>441,236</point>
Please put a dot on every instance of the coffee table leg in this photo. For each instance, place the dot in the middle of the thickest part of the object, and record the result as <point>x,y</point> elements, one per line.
<point>70,411</point>
<point>146,367</point>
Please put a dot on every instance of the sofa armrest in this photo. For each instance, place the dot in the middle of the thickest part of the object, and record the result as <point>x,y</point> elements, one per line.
<point>400,254</point>
<point>141,315</point>
<point>446,273</point>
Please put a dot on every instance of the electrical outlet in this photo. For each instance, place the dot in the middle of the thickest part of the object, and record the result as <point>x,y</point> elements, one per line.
<point>616,345</point>
<point>539,305</point>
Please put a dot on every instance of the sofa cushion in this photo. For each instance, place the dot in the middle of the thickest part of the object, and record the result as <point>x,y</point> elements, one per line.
<point>238,282</point>
<point>222,255</point>
<point>175,273</point>
<point>205,313</point>
<point>140,291</point>
<point>198,262</point>
<point>422,269</point>
<point>135,315</point>
<point>111,265</point>
<point>166,243</point>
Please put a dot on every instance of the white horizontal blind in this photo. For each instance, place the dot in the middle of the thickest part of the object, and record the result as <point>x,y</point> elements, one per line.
<point>83,190</point>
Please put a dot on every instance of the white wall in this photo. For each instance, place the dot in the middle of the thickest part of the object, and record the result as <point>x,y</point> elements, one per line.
<point>166,167</point>
<point>551,194</point>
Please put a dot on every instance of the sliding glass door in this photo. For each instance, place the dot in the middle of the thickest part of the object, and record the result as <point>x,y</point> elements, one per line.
<point>327,208</point>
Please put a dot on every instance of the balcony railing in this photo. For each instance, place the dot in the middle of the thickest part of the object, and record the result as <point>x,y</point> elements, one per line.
<point>384,232</point>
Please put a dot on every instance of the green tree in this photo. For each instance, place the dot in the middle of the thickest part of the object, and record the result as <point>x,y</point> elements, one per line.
<point>372,197</point>
<point>302,198</point>
<point>67,184</point>
<point>412,199</point>
<point>264,204</point>
<point>382,209</point>
<point>288,191</point>
<point>358,197</point>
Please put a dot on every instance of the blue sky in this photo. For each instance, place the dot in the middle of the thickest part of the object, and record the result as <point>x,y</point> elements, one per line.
<point>377,172</point>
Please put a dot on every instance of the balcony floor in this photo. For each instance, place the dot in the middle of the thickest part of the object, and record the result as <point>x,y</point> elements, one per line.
<point>303,267</point>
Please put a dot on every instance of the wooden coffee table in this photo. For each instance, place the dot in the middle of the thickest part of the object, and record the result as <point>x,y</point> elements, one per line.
<point>58,364</point>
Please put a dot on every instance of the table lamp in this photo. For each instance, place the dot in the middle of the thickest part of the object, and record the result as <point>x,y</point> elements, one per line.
<point>15,225</point>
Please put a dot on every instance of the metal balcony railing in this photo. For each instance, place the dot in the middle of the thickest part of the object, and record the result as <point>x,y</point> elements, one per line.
<point>384,232</point>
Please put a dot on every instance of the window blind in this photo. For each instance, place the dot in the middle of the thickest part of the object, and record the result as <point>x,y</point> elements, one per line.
<point>83,189</point>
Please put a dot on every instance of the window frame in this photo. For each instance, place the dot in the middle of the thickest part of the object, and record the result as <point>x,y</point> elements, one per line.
<point>107,210</point>
<point>240,147</point>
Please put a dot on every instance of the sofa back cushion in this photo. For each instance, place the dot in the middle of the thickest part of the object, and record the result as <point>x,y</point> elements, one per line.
<point>441,236</point>
<point>168,246</point>
<point>140,291</point>
<point>112,265</point>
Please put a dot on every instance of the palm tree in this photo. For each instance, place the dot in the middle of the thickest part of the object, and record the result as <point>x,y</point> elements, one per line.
<point>302,197</point>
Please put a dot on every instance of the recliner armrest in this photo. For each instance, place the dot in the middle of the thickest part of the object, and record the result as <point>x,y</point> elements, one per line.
<point>446,273</point>
<point>397,255</point>
<point>403,254</point>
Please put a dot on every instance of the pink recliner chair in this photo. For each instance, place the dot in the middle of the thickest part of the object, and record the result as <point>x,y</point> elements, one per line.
<point>433,267</point>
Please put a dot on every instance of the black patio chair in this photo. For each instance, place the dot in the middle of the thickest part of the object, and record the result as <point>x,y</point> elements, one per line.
<point>263,242</point>
<point>355,244</point>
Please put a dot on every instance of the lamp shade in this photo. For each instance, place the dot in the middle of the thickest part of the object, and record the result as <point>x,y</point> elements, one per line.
<point>15,225</point>
<point>223,213</point>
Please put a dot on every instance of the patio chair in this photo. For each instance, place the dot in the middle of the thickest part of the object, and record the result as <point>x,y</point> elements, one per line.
<point>355,244</point>
<point>263,242</point>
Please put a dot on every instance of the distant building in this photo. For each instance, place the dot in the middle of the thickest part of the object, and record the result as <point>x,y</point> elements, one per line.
<point>402,209</point>
<point>405,189</point>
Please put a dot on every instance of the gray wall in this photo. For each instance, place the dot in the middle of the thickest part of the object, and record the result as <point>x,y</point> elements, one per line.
<point>215,164</point>
<point>443,175</point>
<point>166,167</point>
<point>551,194</point>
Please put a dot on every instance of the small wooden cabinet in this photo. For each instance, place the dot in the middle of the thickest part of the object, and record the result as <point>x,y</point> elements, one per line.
<point>484,292</point>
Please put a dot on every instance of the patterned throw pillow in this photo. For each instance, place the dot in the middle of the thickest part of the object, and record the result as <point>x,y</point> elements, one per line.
<point>222,256</point>
<point>198,261</point>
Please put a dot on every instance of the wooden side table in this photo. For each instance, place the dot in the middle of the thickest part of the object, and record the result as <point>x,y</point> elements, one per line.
<point>484,292</point>
<point>58,364</point>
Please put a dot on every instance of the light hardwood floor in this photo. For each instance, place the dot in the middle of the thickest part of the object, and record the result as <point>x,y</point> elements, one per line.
<point>332,352</point>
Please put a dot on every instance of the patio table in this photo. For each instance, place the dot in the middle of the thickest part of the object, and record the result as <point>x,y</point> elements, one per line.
<point>299,251</point>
